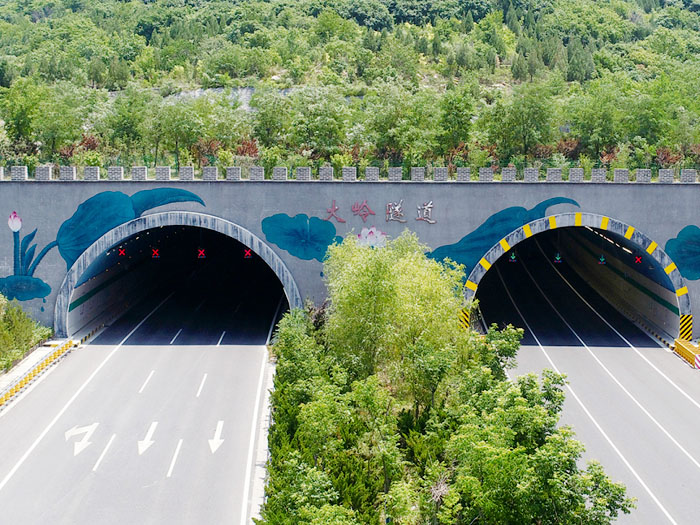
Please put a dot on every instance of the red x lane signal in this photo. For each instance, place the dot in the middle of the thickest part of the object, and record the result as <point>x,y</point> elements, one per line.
<point>247,254</point>
<point>637,259</point>
<point>122,252</point>
<point>201,254</point>
<point>155,254</point>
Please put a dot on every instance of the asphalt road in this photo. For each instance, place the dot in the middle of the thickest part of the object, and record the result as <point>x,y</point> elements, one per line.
<point>149,424</point>
<point>635,405</point>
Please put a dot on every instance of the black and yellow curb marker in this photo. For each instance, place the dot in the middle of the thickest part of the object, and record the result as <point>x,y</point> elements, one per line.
<point>686,331</point>
<point>464,318</point>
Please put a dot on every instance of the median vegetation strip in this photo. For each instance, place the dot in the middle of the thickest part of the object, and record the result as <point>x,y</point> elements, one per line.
<point>385,408</point>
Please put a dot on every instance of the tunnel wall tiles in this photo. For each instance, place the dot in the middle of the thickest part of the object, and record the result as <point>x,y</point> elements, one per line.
<point>465,220</point>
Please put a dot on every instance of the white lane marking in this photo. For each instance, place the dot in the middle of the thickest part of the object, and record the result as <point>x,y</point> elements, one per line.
<point>83,443</point>
<point>201,385</point>
<point>216,442</point>
<point>147,441</point>
<point>272,324</point>
<point>104,452</point>
<point>251,445</point>
<point>178,333</point>
<point>221,338</point>
<point>612,376</point>
<point>74,397</point>
<point>670,381</point>
<point>146,381</point>
<point>172,463</point>
<point>587,412</point>
<point>200,305</point>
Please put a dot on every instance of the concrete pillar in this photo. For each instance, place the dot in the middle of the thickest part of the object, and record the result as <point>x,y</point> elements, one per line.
<point>485,174</point>
<point>643,175</point>
<point>371,174</point>
<point>553,174</point>
<point>115,173</point>
<point>257,173</point>
<point>18,173</point>
<point>417,174</point>
<point>666,176</point>
<point>91,173</point>
<point>576,175</point>
<point>233,173</point>
<point>139,173</point>
<point>325,173</point>
<point>440,174</point>
<point>621,175</point>
<point>186,173</point>
<point>464,174</point>
<point>349,174</point>
<point>395,174</point>
<point>508,174</point>
<point>67,173</point>
<point>43,173</point>
<point>279,173</point>
<point>688,175</point>
<point>162,173</point>
<point>304,173</point>
<point>531,174</point>
<point>210,173</point>
<point>2,173</point>
<point>599,175</point>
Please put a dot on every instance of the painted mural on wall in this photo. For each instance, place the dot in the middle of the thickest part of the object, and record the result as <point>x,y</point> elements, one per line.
<point>93,218</point>
<point>684,250</point>
<point>302,236</point>
<point>471,248</point>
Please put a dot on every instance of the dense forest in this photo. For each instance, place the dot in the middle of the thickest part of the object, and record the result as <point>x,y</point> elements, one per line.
<point>351,82</point>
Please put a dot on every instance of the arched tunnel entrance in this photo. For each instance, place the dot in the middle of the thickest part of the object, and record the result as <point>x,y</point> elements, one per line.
<point>226,283</point>
<point>589,277</point>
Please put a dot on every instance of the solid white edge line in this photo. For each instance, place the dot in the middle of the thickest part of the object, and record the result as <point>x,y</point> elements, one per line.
<point>612,376</point>
<point>221,338</point>
<point>73,398</point>
<point>172,462</point>
<point>272,324</point>
<point>178,333</point>
<point>670,381</point>
<point>104,452</point>
<point>583,407</point>
<point>251,444</point>
<point>146,381</point>
<point>201,385</point>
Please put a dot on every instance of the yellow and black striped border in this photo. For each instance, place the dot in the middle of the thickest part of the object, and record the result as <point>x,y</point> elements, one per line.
<point>464,318</point>
<point>686,331</point>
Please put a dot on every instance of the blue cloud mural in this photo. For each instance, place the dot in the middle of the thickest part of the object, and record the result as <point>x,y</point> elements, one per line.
<point>684,250</point>
<point>472,247</point>
<point>303,236</point>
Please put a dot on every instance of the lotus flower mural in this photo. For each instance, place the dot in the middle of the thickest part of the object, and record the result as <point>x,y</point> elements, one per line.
<point>371,237</point>
<point>93,218</point>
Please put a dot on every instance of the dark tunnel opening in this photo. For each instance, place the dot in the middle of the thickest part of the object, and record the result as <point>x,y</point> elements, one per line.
<point>580,281</point>
<point>218,286</point>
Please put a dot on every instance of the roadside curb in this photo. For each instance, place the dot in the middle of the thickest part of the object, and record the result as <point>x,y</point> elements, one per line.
<point>262,455</point>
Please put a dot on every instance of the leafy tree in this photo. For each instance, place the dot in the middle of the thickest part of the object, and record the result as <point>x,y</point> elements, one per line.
<point>580,62</point>
<point>458,108</point>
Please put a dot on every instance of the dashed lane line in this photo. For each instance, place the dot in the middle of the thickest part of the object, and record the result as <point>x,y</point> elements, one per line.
<point>586,411</point>
<point>178,333</point>
<point>146,381</point>
<point>172,462</point>
<point>201,385</point>
<point>104,452</point>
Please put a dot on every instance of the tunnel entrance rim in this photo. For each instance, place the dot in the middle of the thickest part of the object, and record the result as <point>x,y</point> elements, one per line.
<point>171,218</point>
<point>581,219</point>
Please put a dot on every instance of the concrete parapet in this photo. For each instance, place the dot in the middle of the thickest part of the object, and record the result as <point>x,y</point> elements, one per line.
<point>91,173</point>
<point>553,174</point>
<point>115,173</point>
<point>440,174</point>
<point>395,174</point>
<point>371,174</point>
<point>621,175</point>
<point>599,175</point>
<point>508,174</point>
<point>485,174</point>
<point>279,173</point>
<point>666,176</point>
<point>576,175</point>
<point>210,173</point>
<point>688,175</point>
<point>162,173</point>
<point>186,173</point>
<point>463,174</point>
<point>325,173</point>
<point>43,173</point>
<point>256,173</point>
<point>18,173</point>
<point>531,174</point>
<point>642,175</point>
<point>233,173</point>
<point>349,174</point>
<point>304,173</point>
<point>2,173</point>
<point>67,173</point>
<point>417,174</point>
<point>139,173</point>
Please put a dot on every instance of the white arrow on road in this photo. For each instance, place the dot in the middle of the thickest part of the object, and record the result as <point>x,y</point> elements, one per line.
<point>81,445</point>
<point>147,441</point>
<point>215,443</point>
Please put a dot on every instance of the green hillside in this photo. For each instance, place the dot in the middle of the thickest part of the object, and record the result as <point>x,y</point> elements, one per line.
<point>373,82</point>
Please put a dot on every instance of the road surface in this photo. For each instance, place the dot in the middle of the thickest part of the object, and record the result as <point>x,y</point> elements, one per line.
<point>150,423</point>
<point>635,405</point>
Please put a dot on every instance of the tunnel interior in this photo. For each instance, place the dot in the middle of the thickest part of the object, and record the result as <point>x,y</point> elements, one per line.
<point>218,286</point>
<point>595,279</point>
